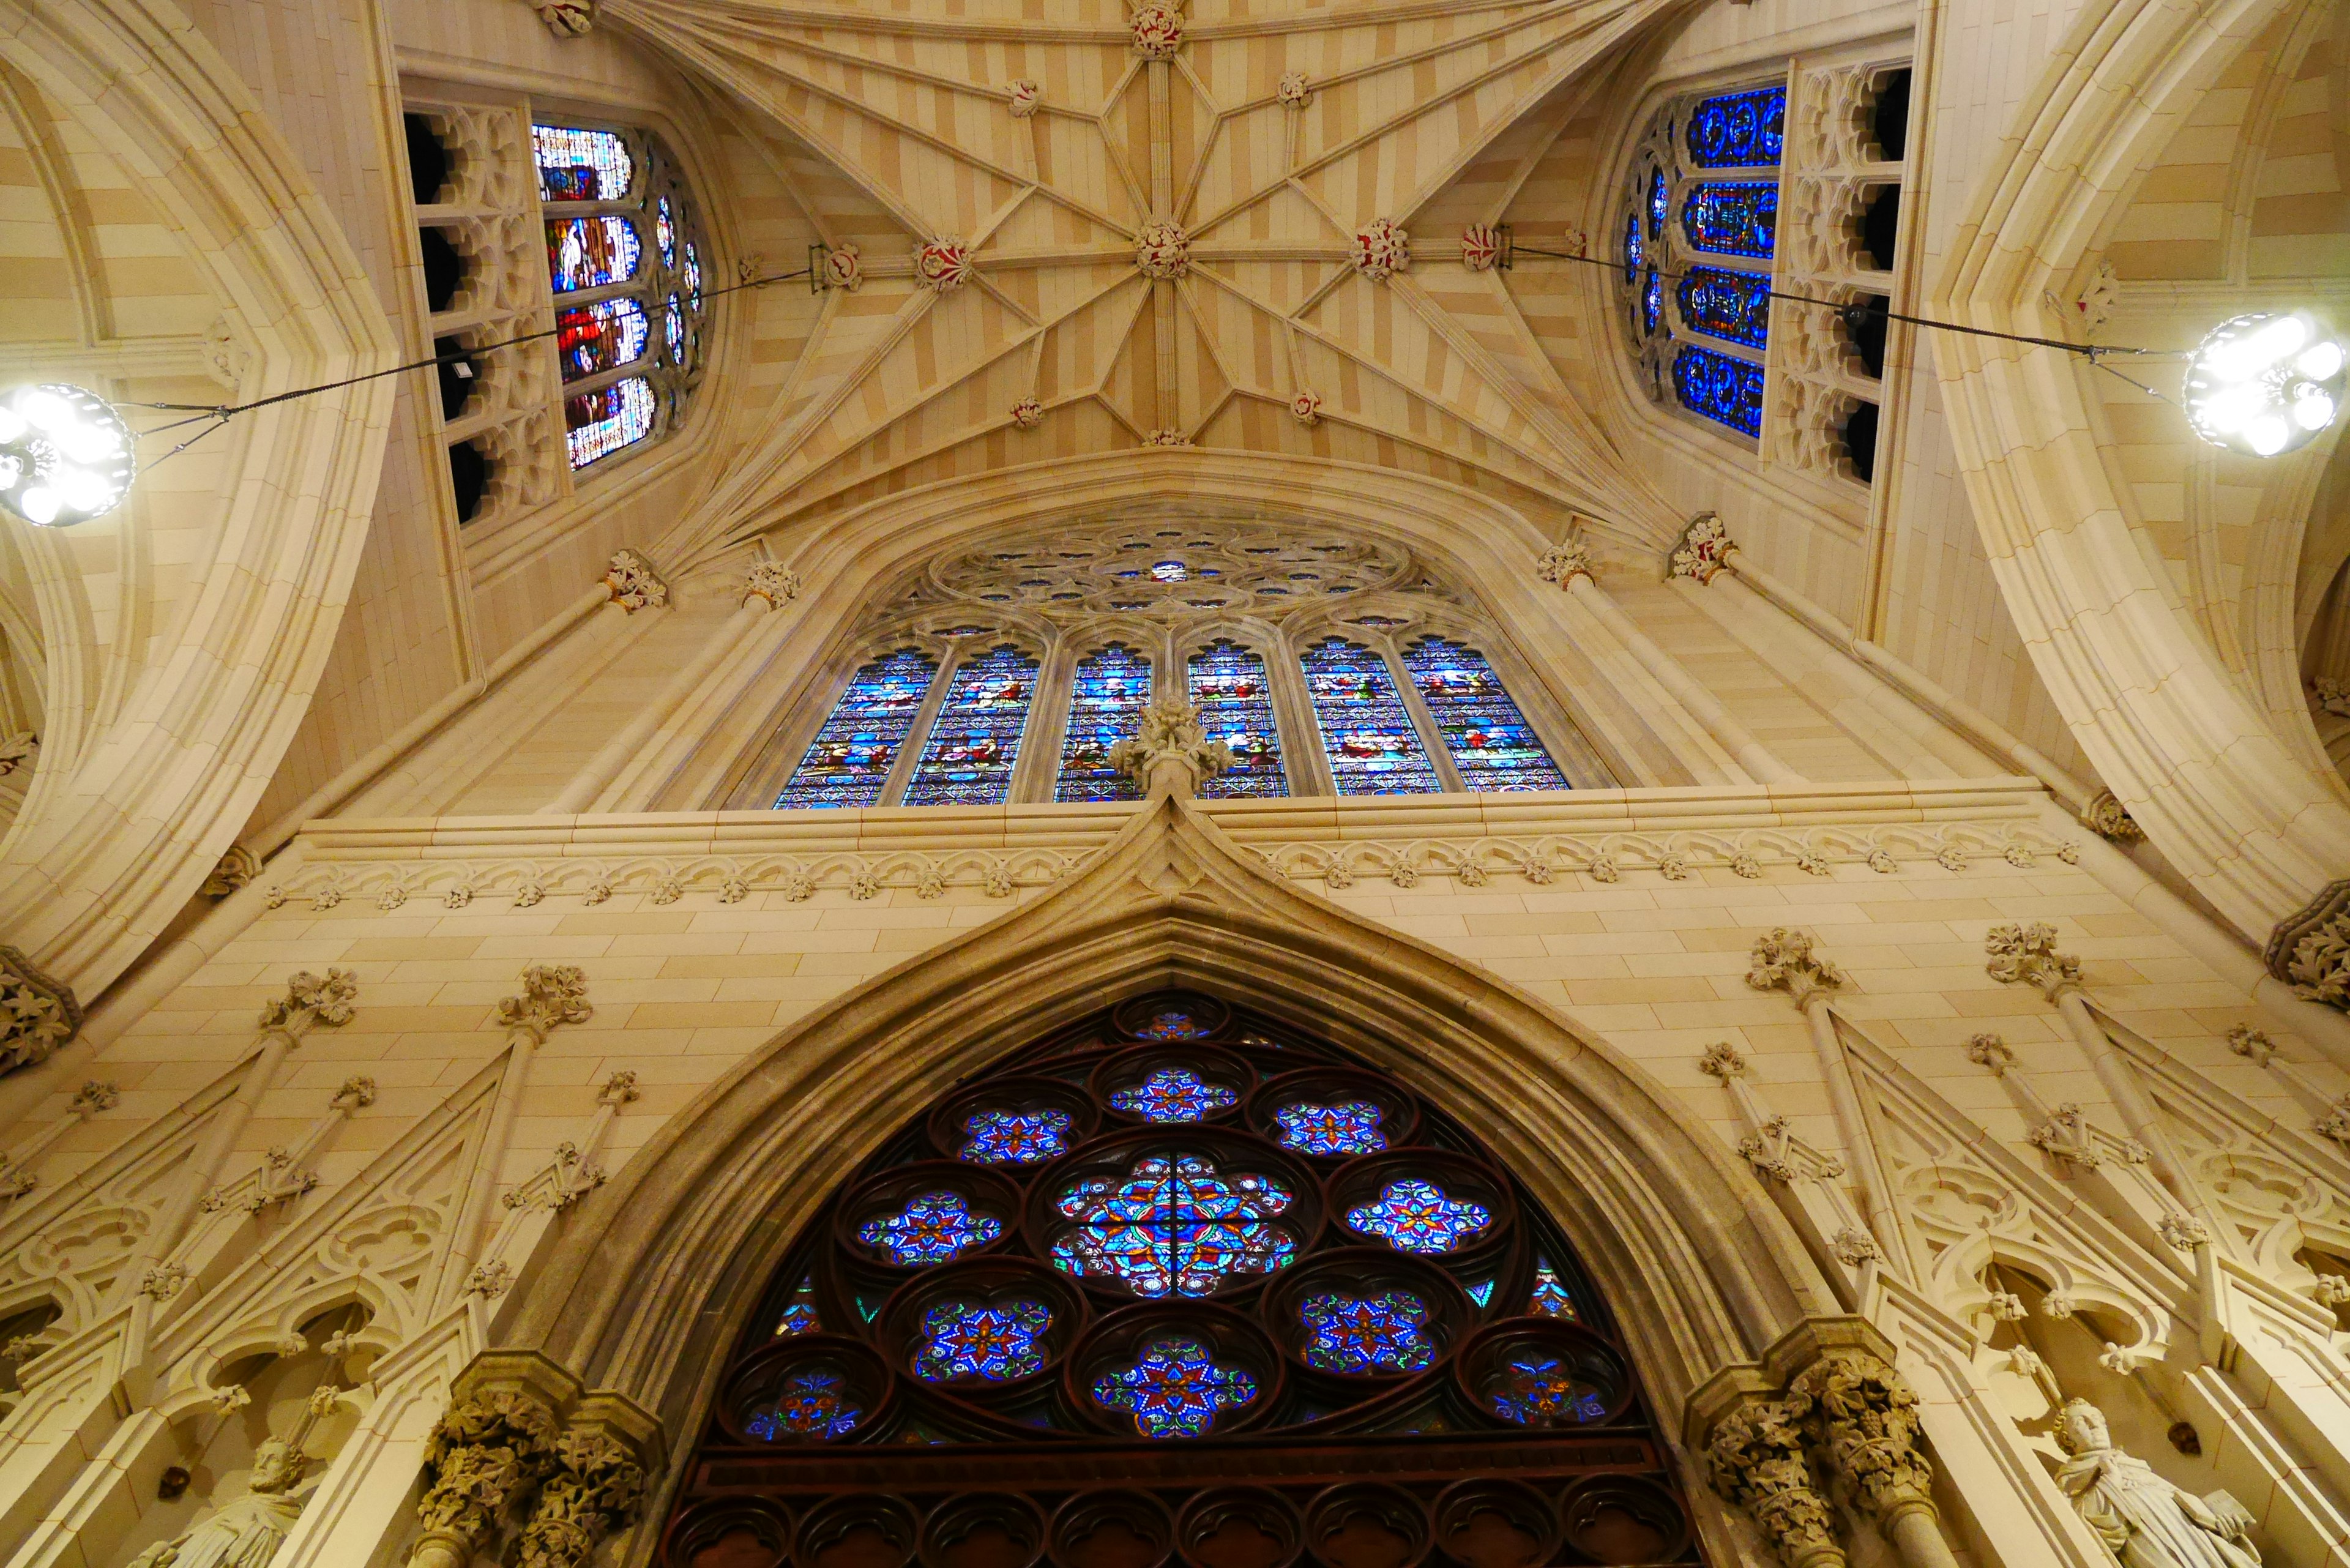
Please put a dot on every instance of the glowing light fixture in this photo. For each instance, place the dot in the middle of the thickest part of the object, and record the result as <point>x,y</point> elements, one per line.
<point>2265,385</point>
<point>64,455</point>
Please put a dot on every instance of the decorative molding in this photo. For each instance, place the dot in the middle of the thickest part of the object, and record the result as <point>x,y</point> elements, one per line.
<point>771,581</point>
<point>844,267</point>
<point>2027,955</point>
<point>633,584</point>
<point>1026,96</point>
<point>2106,816</point>
<point>1785,959</point>
<point>941,265</point>
<point>1158,31</point>
<point>1163,249</point>
<point>1480,247</point>
<point>2309,951</point>
<point>38,1015</point>
<point>1704,549</point>
<point>1166,437</point>
<point>1295,91</point>
<point>1382,249</point>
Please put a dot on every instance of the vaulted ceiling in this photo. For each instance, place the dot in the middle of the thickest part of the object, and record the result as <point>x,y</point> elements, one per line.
<point>892,127</point>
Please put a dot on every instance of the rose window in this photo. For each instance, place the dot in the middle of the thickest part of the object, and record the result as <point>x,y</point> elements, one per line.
<point>932,1229</point>
<point>1175,1227</point>
<point>1415,1216</point>
<point>1174,1389</point>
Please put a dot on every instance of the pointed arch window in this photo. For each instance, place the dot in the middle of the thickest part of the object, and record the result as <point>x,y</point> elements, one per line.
<point>1107,698</point>
<point>851,756</point>
<point>1367,731</point>
<point>1489,740</point>
<point>975,738</point>
<point>1227,683</point>
<point>1206,1332</point>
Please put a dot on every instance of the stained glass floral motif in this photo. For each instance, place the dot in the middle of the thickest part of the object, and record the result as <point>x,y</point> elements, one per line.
<point>1413,1215</point>
<point>1634,252</point>
<point>598,423</point>
<point>665,230</point>
<point>1171,1023</point>
<point>810,1405</point>
<point>1736,218</point>
<point>589,253</point>
<point>1726,390</point>
<point>605,335</point>
<point>975,740</point>
<point>934,1227</point>
<point>1359,1336</point>
<point>1227,684</point>
<point>1173,1095</point>
<point>1174,1227</point>
<point>1541,1391</point>
<point>1655,203</point>
<point>992,1341</point>
<point>1739,129</point>
<point>576,165</point>
<point>1489,740</point>
<point>849,760</point>
<point>1111,690</point>
<point>1367,731</point>
<point>1175,1389</point>
<point>1014,1137</point>
<point>1733,305</point>
<point>1550,1297</point>
<point>1350,1127</point>
<point>800,1314</point>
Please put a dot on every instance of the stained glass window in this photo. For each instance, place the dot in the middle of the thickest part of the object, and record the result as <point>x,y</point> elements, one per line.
<point>811,1403</point>
<point>1367,731</point>
<point>665,230</point>
<point>932,1229</point>
<point>1633,253</point>
<point>975,740</point>
<point>1228,686</point>
<point>1173,1095</point>
<point>1655,203</point>
<point>1652,303</point>
<point>1542,1391</point>
<point>800,1314</point>
<point>1170,572</point>
<point>1733,305</point>
<point>1112,689</point>
<point>576,165</point>
<point>1171,1023</point>
<point>1175,1389</point>
<point>1550,1297</point>
<point>1724,389</point>
<point>1735,218</point>
<point>994,1341</point>
<point>591,253</point>
<point>1489,740</point>
<point>598,423</point>
<point>1739,129</point>
<point>674,330</point>
<point>1364,1335</point>
<point>1014,1137</point>
<point>1413,1215</point>
<point>1350,1127</point>
<point>1174,1227</point>
<point>1481,1292</point>
<point>605,335</point>
<point>693,274</point>
<point>849,760</point>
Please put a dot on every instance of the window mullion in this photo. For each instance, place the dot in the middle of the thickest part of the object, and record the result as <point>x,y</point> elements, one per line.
<point>918,734</point>
<point>1301,755</point>
<point>1037,777</point>
<point>1440,755</point>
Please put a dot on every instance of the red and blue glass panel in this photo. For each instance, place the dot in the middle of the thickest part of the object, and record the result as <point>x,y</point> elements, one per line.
<point>1175,1389</point>
<point>1174,1227</point>
<point>1366,1336</point>
<point>1173,1095</point>
<point>1413,1215</point>
<point>1489,740</point>
<point>1014,1137</point>
<point>605,335</point>
<point>576,165</point>
<point>849,760</point>
<point>975,740</point>
<point>1350,1127</point>
<point>934,1227</point>
<point>1539,1390</point>
<point>1551,1298</point>
<point>590,252</point>
<point>1227,685</point>
<point>991,1341</point>
<point>1732,217</point>
<point>1106,703</point>
<point>1739,129</point>
<point>811,1403</point>
<point>598,423</point>
<point>1725,389</point>
<point>1735,306</point>
<point>1367,731</point>
<point>1656,199</point>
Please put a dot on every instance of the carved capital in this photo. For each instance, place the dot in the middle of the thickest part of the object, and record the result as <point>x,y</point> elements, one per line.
<point>491,1450</point>
<point>1705,548</point>
<point>553,993</point>
<point>1562,564</point>
<point>597,1486</point>
<point>771,581</point>
<point>1755,1460</point>
<point>2310,951</point>
<point>312,1003</point>
<point>1785,959</point>
<point>38,1015</point>
<point>1863,1415</point>
<point>2106,816</point>
<point>632,583</point>
<point>236,869</point>
<point>1172,751</point>
<point>1721,1061</point>
<point>2027,955</point>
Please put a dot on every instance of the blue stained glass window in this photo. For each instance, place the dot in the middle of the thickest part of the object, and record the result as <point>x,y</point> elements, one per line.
<point>1227,685</point>
<point>1170,572</point>
<point>1739,129</point>
<point>1481,1292</point>
<point>1172,1023</point>
<point>1731,306</point>
<point>605,335</point>
<point>1112,689</point>
<point>1366,730</point>
<point>799,1317</point>
<point>598,423</point>
<point>665,230</point>
<point>1014,1137</point>
<point>1173,1095</point>
<point>1655,203</point>
<point>1360,1336</point>
<point>1175,1389</point>
<point>848,760</point>
<point>976,738</point>
<point>1550,1297</point>
<point>1174,1227</point>
<point>1722,389</point>
<point>995,1341</point>
<point>1542,1391</point>
<point>934,1227</point>
<point>811,1403</point>
<point>1652,303</point>
<point>1634,252</point>
<point>1489,740</point>
<point>589,252</point>
<point>576,165</point>
<point>1413,1215</point>
<point>1351,1127</point>
<point>1733,218</point>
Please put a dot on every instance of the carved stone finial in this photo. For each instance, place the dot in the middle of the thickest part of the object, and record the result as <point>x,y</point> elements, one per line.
<point>238,868</point>
<point>553,993</point>
<point>38,1015</point>
<point>1562,564</point>
<point>2106,816</point>
<point>1382,249</point>
<point>487,1453</point>
<point>619,1090</point>
<point>1990,1051</point>
<point>2246,1041</point>
<point>2184,1231</point>
<point>311,1002</point>
<point>771,581</point>
<point>356,1095</point>
<point>632,583</point>
<point>1786,960</point>
<point>1755,1460</point>
<point>1863,1415</point>
<point>2027,955</point>
<point>1163,249</point>
<point>567,18</point>
<point>1172,751</point>
<point>1721,1061</point>
<point>1704,549</point>
<point>97,1095</point>
<point>942,265</point>
<point>1295,92</point>
<point>597,1487</point>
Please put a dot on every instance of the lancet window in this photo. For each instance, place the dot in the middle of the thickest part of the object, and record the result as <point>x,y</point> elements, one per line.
<point>1325,666</point>
<point>1179,1278</point>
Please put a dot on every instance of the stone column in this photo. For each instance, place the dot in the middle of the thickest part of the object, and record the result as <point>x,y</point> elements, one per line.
<point>1171,754</point>
<point>1861,1416</point>
<point>1755,1456</point>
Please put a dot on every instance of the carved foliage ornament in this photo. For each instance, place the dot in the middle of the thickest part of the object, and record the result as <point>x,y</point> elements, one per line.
<point>1756,1462</point>
<point>1704,549</point>
<point>38,1015</point>
<point>1786,960</point>
<point>1158,31</point>
<point>771,581</point>
<point>552,994</point>
<point>844,268</point>
<point>633,584</point>
<point>1562,564</point>
<point>1163,249</point>
<point>1293,93</point>
<point>1480,247</point>
<point>2027,955</point>
<point>1171,729</point>
<point>597,1487</point>
<point>1865,1415</point>
<point>2106,816</point>
<point>311,1001</point>
<point>942,265</point>
<point>1306,408</point>
<point>1382,249</point>
<point>486,1451</point>
<point>566,18</point>
<point>1028,413</point>
<point>1026,96</point>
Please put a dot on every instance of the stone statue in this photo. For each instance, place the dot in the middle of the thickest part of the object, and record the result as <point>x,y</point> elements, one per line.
<point>2144,1521</point>
<point>245,1532</point>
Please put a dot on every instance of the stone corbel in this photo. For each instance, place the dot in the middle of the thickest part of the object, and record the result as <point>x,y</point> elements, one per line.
<point>38,1015</point>
<point>1860,1418</point>
<point>1755,1456</point>
<point>632,583</point>
<point>1171,754</point>
<point>491,1451</point>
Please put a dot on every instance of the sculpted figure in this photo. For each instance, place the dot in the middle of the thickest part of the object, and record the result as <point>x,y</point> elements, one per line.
<point>2144,1521</point>
<point>247,1530</point>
